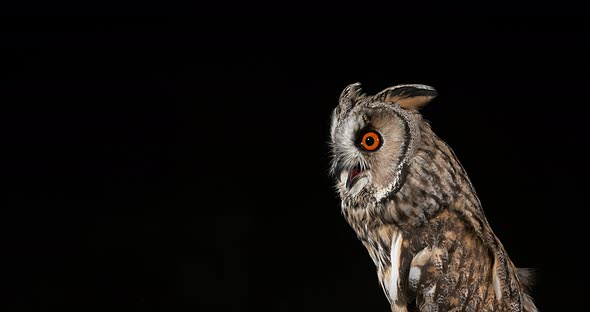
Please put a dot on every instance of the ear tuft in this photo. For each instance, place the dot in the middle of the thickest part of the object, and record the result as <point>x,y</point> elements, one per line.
<point>351,92</point>
<point>408,96</point>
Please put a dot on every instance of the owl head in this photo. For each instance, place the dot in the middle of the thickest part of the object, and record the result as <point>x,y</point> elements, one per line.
<point>373,138</point>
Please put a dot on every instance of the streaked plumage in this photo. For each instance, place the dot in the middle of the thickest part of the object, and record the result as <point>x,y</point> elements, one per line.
<point>412,205</point>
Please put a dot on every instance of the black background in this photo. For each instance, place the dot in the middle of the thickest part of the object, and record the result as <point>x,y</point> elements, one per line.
<point>175,158</point>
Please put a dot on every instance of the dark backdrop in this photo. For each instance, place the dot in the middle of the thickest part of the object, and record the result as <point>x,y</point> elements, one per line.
<point>160,161</point>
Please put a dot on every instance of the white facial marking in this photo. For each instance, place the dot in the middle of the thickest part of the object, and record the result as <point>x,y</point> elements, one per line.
<point>396,249</point>
<point>343,176</point>
<point>358,186</point>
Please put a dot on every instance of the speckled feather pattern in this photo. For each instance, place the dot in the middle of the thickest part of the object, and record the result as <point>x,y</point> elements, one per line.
<point>416,211</point>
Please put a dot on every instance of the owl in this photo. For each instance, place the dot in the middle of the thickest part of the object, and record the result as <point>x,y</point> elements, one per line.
<point>412,205</point>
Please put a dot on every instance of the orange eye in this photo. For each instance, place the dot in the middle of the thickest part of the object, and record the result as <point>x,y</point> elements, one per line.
<point>371,141</point>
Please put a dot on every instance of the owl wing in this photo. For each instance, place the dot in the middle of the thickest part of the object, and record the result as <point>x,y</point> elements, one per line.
<point>450,279</point>
<point>426,272</point>
<point>461,276</point>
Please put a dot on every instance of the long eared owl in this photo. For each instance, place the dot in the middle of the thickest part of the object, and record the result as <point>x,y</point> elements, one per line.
<point>413,207</point>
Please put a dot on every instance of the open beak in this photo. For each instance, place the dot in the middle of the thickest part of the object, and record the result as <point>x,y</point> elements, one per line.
<point>353,176</point>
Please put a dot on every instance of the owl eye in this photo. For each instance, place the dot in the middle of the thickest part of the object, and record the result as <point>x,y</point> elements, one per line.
<point>371,141</point>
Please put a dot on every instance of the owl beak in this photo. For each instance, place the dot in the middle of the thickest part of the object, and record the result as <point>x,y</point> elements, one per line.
<point>356,180</point>
<point>353,175</point>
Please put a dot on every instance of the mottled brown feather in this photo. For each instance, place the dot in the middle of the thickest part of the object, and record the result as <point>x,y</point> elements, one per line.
<point>461,264</point>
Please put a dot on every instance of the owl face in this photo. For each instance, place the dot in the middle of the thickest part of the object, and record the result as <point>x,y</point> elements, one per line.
<point>373,138</point>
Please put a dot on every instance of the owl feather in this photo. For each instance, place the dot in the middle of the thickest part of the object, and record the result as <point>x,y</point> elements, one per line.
<point>413,207</point>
